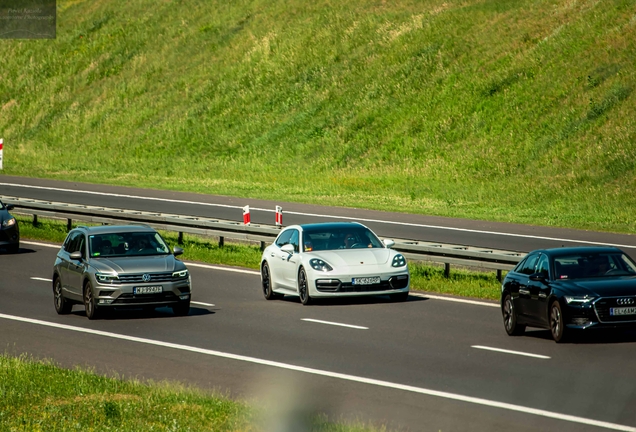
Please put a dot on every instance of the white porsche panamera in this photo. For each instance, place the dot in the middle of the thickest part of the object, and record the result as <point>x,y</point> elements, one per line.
<point>332,260</point>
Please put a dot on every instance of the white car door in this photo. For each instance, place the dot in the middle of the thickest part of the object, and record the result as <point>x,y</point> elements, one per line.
<point>290,261</point>
<point>277,259</point>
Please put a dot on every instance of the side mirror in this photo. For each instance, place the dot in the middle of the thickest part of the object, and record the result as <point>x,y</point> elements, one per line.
<point>176,251</point>
<point>289,248</point>
<point>10,207</point>
<point>537,277</point>
<point>77,256</point>
<point>388,243</point>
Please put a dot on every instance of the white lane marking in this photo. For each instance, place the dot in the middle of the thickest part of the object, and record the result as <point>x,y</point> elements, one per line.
<point>235,270</point>
<point>42,279</point>
<point>202,304</point>
<point>325,216</point>
<point>40,244</point>
<point>521,353</point>
<point>346,377</point>
<point>453,299</point>
<point>334,323</point>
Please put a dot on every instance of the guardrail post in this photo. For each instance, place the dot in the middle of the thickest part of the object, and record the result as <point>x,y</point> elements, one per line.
<point>69,224</point>
<point>180,239</point>
<point>35,220</point>
<point>447,270</point>
<point>262,246</point>
<point>221,241</point>
<point>499,275</point>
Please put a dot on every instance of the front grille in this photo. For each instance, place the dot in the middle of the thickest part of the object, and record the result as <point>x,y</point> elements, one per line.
<point>145,298</point>
<point>382,286</point>
<point>602,307</point>
<point>138,278</point>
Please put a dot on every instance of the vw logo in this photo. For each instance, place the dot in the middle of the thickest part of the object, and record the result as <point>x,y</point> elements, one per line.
<point>625,301</point>
<point>146,277</point>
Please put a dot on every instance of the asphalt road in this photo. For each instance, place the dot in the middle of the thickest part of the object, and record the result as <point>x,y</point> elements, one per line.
<point>522,238</point>
<point>413,366</point>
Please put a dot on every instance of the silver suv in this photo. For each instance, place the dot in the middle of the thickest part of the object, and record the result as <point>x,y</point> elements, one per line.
<point>106,267</point>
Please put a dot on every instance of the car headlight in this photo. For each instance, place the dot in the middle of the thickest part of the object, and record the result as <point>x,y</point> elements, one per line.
<point>398,261</point>
<point>579,299</point>
<point>8,223</point>
<point>105,278</point>
<point>181,274</point>
<point>320,265</point>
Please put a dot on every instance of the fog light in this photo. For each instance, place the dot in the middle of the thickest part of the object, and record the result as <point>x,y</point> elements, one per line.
<point>580,321</point>
<point>105,301</point>
<point>184,296</point>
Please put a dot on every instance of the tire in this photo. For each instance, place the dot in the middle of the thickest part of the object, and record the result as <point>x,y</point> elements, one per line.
<point>266,281</point>
<point>559,332</point>
<point>62,306</point>
<point>399,297</point>
<point>181,308</point>
<point>92,312</point>
<point>513,328</point>
<point>303,288</point>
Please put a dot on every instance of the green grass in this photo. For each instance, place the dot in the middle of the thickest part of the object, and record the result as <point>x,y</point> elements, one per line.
<point>40,396</point>
<point>519,111</point>
<point>429,278</point>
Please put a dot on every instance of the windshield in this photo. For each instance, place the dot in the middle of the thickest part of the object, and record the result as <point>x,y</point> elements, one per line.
<point>593,265</point>
<point>325,238</point>
<point>127,244</point>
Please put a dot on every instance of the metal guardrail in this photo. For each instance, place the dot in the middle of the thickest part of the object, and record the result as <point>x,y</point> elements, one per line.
<point>413,249</point>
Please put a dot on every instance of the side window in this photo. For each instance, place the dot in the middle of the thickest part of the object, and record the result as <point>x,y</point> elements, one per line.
<point>284,237</point>
<point>528,265</point>
<point>72,243</point>
<point>543,265</point>
<point>294,240</point>
<point>82,245</point>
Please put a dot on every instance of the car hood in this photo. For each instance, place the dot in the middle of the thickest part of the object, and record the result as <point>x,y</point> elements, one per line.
<point>607,287</point>
<point>142,264</point>
<point>355,257</point>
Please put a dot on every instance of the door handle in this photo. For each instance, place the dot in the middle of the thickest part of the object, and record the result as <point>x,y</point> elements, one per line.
<point>524,291</point>
<point>542,295</point>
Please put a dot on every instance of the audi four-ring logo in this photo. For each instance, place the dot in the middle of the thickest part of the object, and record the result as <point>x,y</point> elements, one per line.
<point>146,278</point>
<point>625,301</point>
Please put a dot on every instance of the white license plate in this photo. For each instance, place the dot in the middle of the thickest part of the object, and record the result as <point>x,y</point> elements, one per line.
<point>623,311</point>
<point>148,289</point>
<point>366,280</point>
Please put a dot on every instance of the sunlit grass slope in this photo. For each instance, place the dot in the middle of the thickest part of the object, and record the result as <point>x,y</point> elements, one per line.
<point>513,110</point>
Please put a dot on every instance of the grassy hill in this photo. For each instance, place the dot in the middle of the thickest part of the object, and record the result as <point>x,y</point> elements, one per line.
<point>510,110</point>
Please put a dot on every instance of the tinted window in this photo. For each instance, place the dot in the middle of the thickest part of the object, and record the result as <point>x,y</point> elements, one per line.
<point>543,266</point>
<point>72,243</point>
<point>284,237</point>
<point>126,244</point>
<point>294,240</point>
<point>527,267</point>
<point>593,265</point>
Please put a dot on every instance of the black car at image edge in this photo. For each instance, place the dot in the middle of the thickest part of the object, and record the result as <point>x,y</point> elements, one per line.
<point>570,289</point>
<point>9,229</point>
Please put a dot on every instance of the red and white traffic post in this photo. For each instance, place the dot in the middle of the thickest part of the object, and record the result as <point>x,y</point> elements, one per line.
<point>246,215</point>
<point>1,142</point>
<point>279,216</point>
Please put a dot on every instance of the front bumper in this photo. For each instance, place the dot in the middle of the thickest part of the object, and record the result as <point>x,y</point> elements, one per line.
<point>122,295</point>
<point>335,286</point>
<point>10,236</point>
<point>596,315</point>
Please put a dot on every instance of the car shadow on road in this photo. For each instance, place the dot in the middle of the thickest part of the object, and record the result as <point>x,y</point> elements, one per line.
<point>137,314</point>
<point>349,301</point>
<point>590,337</point>
<point>4,251</point>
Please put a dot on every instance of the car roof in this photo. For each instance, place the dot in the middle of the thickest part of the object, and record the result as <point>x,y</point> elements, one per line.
<point>579,250</point>
<point>115,229</point>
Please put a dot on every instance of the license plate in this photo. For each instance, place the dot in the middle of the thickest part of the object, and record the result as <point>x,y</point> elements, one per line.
<point>148,289</point>
<point>366,280</point>
<point>623,311</point>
